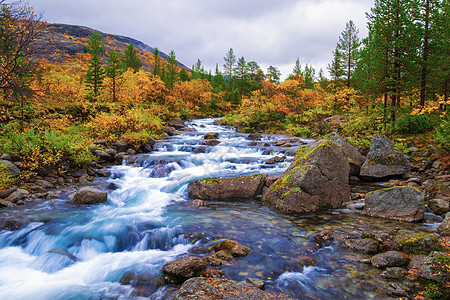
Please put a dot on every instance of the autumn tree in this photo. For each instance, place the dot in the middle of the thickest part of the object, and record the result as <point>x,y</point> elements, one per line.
<point>20,27</point>
<point>114,69</point>
<point>131,60</point>
<point>96,73</point>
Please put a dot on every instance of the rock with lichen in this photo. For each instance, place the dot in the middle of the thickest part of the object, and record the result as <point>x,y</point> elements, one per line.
<point>384,160</point>
<point>316,179</point>
<point>222,188</point>
<point>401,203</point>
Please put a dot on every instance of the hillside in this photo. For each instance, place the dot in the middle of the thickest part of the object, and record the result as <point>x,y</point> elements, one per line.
<point>62,40</point>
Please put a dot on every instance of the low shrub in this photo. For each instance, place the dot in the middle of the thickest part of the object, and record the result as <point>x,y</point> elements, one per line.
<point>413,124</point>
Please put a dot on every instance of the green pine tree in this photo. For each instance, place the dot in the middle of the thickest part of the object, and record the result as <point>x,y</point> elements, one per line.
<point>96,73</point>
<point>114,69</point>
<point>131,59</point>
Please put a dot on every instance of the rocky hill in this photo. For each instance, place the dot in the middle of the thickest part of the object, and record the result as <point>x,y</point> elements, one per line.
<point>62,40</point>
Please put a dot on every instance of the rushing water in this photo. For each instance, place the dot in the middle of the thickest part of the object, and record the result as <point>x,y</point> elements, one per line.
<point>82,252</point>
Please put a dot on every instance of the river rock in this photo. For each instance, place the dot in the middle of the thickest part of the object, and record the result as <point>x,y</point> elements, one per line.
<point>389,259</point>
<point>89,195</point>
<point>17,196</point>
<point>367,245</point>
<point>444,227</point>
<point>177,124</point>
<point>221,188</point>
<point>232,247</point>
<point>5,193</point>
<point>210,142</point>
<point>182,269</point>
<point>121,146</point>
<point>384,160</point>
<point>102,155</point>
<point>254,137</point>
<point>313,181</point>
<point>355,159</point>
<point>11,168</point>
<point>435,267</point>
<point>4,203</point>
<point>398,203</point>
<point>220,258</point>
<point>221,288</point>
<point>394,273</point>
<point>324,236</point>
<point>211,136</point>
<point>148,145</point>
<point>439,206</point>
<point>412,242</point>
<point>197,203</point>
<point>275,159</point>
<point>256,282</point>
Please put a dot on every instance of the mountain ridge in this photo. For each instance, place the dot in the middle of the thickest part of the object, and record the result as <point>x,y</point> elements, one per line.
<point>66,39</point>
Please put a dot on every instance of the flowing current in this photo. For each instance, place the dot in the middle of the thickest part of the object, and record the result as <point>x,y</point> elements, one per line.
<point>68,251</point>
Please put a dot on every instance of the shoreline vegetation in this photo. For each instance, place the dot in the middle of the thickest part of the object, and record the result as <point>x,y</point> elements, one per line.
<point>70,106</point>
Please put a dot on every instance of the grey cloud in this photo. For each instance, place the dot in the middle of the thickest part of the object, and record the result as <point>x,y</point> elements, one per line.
<point>266,31</point>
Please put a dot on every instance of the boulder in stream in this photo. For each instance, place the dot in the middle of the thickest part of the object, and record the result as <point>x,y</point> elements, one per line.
<point>182,269</point>
<point>355,159</point>
<point>384,160</point>
<point>401,203</point>
<point>222,188</point>
<point>389,259</point>
<point>317,179</point>
<point>221,288</point>
<point>89,195</point>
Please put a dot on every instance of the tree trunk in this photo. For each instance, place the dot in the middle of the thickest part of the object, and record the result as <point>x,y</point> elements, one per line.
<point>425,55</point>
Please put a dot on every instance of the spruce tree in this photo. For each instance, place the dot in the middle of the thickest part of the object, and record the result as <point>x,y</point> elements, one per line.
<point>114,69</point>
<point>131,59</point>
<point>348,46</point>
<point>242,75</point>
<point>336,67</point>
<point>171,75</point>
<point>230,61</point>
<point>156,63</point>
<point>95,74</point>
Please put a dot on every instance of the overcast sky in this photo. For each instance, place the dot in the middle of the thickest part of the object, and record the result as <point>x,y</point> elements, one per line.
<point>270,32</point>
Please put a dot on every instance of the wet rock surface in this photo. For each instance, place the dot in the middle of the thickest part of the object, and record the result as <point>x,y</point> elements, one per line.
<point>201,288</point>
<point>182,269</point>
<point>313,181</point>
<point>222,188</point>
<point>397,203</point>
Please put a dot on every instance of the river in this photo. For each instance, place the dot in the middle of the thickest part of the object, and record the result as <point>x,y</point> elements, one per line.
<point>81,252</point>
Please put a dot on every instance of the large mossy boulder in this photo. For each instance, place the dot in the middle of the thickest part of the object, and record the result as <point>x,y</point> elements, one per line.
<point>89,195</point>
<point>316,179</point>
<point>401,203</point>
<point>221,288</point>
<point>223,188</point>
<point>182,269</point>
<point>384,160</point>
<point>355,159</point>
